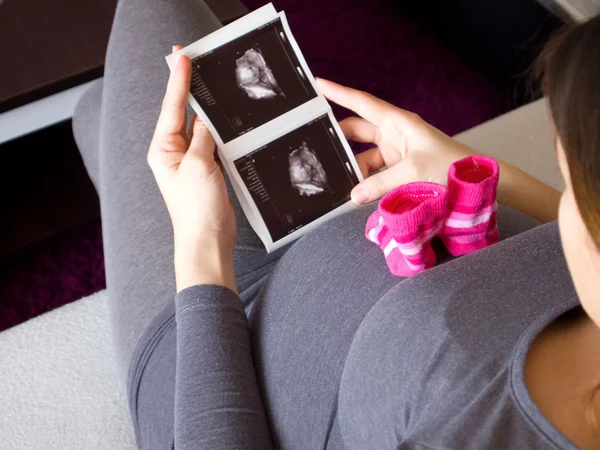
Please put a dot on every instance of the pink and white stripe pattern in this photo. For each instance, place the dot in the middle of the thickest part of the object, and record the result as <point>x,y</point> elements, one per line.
<point>407,219</point>
<point>472,208</point>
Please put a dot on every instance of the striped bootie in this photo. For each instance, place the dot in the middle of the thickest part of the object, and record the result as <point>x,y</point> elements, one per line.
<point>406,221</point>
<point>471,217</point>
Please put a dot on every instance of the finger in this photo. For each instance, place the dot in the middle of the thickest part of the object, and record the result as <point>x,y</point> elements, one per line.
<point>363,104</point>
<point>172,115</point>
<point>218,160</point>
<point>202,148</point>
<point>185,129</point>
<point>370,161</point>
<point>379,184</point>
<point>359,130</point>
<point>184,126</point>
<point>190,128</point>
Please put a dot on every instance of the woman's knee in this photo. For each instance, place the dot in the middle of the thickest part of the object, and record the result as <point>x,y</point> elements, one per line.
<point>86,128</point>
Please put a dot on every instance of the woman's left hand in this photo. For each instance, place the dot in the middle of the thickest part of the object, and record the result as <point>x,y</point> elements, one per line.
<point>193,187</point>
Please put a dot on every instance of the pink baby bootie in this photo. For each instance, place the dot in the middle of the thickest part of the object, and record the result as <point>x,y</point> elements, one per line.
<point>405,222</point>
<point>471,218</point>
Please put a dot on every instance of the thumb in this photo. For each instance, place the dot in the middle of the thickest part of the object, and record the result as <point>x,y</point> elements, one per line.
<point>202,147</point>
<point>380,183</point>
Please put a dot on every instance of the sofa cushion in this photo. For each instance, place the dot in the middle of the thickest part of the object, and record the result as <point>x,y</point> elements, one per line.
<point>523,138</point>
<point>578,10</point>
<point>58,382</point>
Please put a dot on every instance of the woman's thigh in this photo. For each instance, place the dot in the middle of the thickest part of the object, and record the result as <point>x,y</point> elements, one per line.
<point>114,125</point>
<point>307,314</point>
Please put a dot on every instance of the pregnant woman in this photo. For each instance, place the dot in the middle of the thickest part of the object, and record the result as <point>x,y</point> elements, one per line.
<point>318,345</point>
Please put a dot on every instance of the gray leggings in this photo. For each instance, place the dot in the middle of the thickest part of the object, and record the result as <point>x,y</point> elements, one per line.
<point>113,127</point>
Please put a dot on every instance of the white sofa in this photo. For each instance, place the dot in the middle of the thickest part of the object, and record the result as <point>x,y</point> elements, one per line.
<point>578,10</point>
<point>58,382</point>
<point>523,137</point>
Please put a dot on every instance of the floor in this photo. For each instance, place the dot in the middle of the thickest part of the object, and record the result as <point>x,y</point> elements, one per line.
<point>368,45</point>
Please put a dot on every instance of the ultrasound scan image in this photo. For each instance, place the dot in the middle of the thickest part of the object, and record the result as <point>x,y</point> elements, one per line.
<point>255,77</point>
<point>306,172</point>
<point>298,177</point>
<point>250,81</point>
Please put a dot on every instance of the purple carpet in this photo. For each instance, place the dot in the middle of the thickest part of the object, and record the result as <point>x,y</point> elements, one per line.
<point>365,44</point>
<point>65,268</point>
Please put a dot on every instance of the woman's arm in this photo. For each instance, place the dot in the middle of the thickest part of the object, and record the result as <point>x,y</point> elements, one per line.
<point>524,193</point>
<point>217,400</point>
<point>409,149</point>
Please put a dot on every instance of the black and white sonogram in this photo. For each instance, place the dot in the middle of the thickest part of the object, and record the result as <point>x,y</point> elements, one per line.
<point>250,81</point>
<point>255,77</point>
<point>299,177</point>
<point>306,171</point>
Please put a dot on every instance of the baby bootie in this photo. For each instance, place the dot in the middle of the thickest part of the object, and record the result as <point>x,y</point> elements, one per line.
<point>405,222</point>
<point>471,219</point>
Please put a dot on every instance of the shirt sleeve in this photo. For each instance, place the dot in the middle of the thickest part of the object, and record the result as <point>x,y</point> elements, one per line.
<point>217,400</point>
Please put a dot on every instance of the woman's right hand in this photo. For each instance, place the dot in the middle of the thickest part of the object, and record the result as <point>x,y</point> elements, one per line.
<point>409,148</point>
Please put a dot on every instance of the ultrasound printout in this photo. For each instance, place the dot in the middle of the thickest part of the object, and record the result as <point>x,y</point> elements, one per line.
<point>299,177</point>
<point>250,81</point>
<point>285,155</point>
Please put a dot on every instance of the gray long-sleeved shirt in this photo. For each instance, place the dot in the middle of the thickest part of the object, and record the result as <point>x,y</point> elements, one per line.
<point>437,363</point>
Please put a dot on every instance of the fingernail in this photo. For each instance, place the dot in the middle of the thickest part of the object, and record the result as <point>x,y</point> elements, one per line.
<point>173,49</point>
<point>178,61</point>
<point>359,195</point>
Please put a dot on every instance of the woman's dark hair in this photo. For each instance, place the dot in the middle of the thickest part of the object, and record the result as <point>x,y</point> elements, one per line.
<point>571,81</point>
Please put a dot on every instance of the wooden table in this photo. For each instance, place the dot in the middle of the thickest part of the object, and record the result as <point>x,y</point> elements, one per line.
<point>50,49</point>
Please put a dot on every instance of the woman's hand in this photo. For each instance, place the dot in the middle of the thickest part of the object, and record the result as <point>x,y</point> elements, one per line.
<point>410,148</point>
<point>193,187</point>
